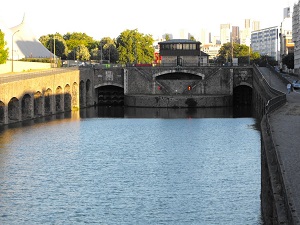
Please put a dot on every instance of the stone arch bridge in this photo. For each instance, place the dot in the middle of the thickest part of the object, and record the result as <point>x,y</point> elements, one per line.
<point>37,94</point>
<point>32,95</point>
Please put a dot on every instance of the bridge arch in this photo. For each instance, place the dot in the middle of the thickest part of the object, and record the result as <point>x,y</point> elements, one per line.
<point>38,104</point>
<point>48,101</point>
<point>242,95</point>
<point>67,98</point>
<point>14,110</point>
<point>2,112</point>
<point>75,95</point>
<point>58,99</point>
<point>178,73</point>
<point>27,107</point>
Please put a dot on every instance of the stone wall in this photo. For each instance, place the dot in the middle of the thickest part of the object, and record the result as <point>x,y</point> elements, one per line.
<point>20,66</point>
<point>178,101</point>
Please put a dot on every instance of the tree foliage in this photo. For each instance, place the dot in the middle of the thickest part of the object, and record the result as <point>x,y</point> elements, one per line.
<point>236,50</point>
<point>55,42</point>
<point>288,60</point>
<point>3,50</point>
<point>135,47</point>
<point>76,39</point>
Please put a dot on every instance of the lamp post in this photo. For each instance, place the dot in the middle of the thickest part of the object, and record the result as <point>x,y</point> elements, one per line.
<point>54,57</point>
<point>12,51</point>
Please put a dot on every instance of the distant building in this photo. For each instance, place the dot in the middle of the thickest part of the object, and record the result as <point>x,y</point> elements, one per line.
<point>296,36</point>
<point>225,33</point>
<point>285,35</point>
<point>212,50</point>
<point>235,34</point>
<point>266,42</point>
<point>182,52</point>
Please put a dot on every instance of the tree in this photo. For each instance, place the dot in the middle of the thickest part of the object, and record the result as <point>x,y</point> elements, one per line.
<point>239,51</point>
<point>61,49</point>
<point>3,50</point>
<point>108,49</point>
<point>135,47</point>
<point>82,53</point>
<point>73,40</point>
<point>288,60</point>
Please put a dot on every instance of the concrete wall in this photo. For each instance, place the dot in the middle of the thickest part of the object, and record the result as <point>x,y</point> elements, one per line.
<point>22,66</point>
<point>274,207</point>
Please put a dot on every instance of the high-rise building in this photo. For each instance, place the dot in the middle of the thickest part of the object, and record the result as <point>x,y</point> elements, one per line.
<point>296,36</point>
<point>235,34</point>
<point>225,33</point>
<point>286,39</point>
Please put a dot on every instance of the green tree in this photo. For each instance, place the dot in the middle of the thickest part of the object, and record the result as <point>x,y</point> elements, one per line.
<point>167,37</point>
<point>3,50</point>
<point>108,49</point>
<point>75,39</point>
<point>135,47</point>
<point>61,49</point>
<point>82,53</point>
<point>288,60</point>
<point>239,51</point>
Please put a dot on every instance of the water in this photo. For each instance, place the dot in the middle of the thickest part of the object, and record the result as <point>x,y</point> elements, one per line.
<point>167,167</point>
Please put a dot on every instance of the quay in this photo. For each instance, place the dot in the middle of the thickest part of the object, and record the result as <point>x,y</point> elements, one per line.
<point>280,141</point>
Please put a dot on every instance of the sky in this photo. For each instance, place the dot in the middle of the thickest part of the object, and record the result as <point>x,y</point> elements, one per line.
<point>100,19</point>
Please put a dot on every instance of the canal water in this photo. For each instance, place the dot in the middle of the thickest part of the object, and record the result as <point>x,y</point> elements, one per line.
<point>116,166</point>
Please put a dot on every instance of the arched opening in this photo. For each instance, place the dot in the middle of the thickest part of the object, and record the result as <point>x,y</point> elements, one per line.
<point>13,110</point>
<point>242,95</point>
<point>48,102</point>
<point>26,107</point>
<point>74,96</point>
<point>38,104</point>
<point>67,98</point>
<point>110,95</point>
<point>2,110</point>
<point>58,99</point>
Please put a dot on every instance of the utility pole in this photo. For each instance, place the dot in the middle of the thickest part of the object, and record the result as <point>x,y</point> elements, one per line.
<point>12,51</point>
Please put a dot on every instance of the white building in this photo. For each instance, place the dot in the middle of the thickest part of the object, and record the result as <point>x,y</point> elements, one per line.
<point>225,32</point>
<point>22,43</point>
<point>296,36</point>
<point>286,42</point>
<point>266,42</point>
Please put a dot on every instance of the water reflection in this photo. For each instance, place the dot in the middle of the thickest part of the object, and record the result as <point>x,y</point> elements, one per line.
<point>133,112</point>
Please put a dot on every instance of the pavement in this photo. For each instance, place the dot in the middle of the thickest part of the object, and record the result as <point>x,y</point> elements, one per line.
<point>285,128</point>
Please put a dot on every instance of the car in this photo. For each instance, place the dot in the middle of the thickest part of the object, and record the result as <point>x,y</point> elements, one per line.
<point>296,84</point>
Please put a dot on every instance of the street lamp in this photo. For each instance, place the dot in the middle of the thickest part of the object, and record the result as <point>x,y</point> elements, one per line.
<point>12,51</point>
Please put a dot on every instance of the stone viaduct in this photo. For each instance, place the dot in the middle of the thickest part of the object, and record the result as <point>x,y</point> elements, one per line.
<point>33,95</point>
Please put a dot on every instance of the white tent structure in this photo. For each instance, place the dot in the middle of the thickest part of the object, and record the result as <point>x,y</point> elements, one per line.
<point>22,43</point>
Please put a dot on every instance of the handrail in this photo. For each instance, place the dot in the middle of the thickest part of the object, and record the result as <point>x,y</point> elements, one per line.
<point>275,102</point>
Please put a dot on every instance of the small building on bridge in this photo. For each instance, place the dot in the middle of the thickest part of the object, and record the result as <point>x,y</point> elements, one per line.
<point>182,52</point>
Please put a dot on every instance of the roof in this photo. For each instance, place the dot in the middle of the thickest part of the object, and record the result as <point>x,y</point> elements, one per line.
<point>25,44</point>
<point>173,41</point>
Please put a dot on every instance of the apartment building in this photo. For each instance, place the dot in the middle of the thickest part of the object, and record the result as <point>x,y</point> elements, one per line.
<point>296,36</point>
<point>266,42</point>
